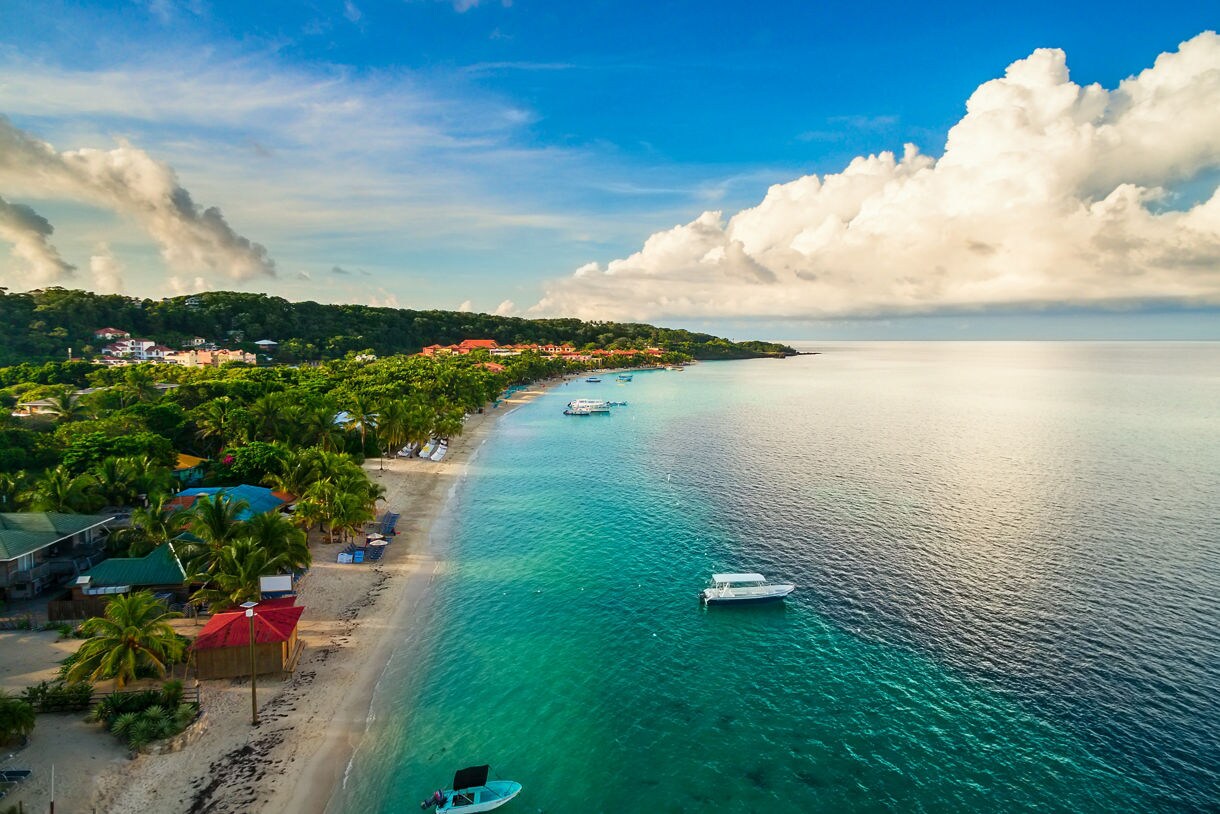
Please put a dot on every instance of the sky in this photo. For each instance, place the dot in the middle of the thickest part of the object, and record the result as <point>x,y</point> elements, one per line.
<point>784,170</point>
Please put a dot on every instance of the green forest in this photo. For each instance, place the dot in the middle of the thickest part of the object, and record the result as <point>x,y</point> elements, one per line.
<point>43,325</point>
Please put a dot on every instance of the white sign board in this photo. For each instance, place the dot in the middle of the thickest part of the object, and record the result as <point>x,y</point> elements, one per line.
<point>276,584</point>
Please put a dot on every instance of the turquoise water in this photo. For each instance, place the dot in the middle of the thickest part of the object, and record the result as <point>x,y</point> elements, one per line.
<point>1007,558</point>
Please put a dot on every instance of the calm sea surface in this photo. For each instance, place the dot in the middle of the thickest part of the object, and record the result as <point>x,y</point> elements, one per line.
<point>1008,566</point>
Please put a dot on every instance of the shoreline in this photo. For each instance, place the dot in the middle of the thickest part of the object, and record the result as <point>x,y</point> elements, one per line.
<point>311,724</point>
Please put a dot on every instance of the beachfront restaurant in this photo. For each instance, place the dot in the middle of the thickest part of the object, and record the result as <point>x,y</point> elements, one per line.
<point>222,648</point>
<point>40,550</point>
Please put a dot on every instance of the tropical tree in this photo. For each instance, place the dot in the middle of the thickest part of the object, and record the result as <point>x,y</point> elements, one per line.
<point>212,421</point>
<point>132,638</point>
<point>318,427</point>
<point>213,523</point>
<point>361,417</point>
<point>16,719</point>
<point>66,407</point>
<point>137,386</point>
<point>235,573</point>
<point>13,492</point>
<point>393,428</point>
<point>279,538</point>
<point>116,481</point>
<point>58,490</point>
<point>149,528</point>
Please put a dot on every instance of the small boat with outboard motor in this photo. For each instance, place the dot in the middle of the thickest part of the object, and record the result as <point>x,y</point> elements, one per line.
<point>473,792</point>
<point>625,377</point>
<point>744,589</point>
<point>593,379</point>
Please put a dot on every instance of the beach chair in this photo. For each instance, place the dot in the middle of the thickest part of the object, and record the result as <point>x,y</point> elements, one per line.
<point>358,556</point>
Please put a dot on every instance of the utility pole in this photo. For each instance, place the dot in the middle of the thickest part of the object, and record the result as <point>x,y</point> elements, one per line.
<point>249,606</point>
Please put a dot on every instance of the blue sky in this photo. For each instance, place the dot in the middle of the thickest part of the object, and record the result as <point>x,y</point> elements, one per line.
<point>472,154</point>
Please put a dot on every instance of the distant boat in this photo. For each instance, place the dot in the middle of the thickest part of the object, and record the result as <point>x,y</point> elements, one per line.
<point>676,368</point>
<point>473,792</point>
<point>593,379</point>
<point>588,406</point>
<point>624,377</point>
<point>743,589</point>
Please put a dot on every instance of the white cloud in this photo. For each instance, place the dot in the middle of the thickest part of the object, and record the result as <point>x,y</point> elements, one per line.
<point>129,181</point>
<point>1047,193</point>
<point>466,307</point>
<point>179,286</point>
<point>39,261</point>
<point>505,308</point>
<point>107,270</point>
<point>351,11</point>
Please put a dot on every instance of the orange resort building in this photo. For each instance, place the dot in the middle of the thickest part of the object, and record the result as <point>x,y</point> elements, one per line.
<point>222,648</point>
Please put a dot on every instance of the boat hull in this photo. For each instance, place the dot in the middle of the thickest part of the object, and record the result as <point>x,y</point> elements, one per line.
<point>776,593</point>
<point>501,792</point>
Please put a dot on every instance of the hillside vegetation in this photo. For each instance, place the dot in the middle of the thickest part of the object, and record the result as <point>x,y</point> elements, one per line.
<point>42,325</point>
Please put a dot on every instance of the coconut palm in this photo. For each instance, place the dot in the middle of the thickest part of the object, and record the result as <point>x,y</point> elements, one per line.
<point>212,420</point>
<point>58,490</point>
<point>279,538</point>
<point>393,427</point>
<point>133,637</point>
<point>213,524</point>
<point>137,386</point>
<point>66,407</point>
<point>116,481</point>
<point>318,427</point>
<point>12,492</point>
<point>361,417</point>
<point>149,528</point>
<point>266,415</point>
<point>235,574</point>
<point>16,719</point>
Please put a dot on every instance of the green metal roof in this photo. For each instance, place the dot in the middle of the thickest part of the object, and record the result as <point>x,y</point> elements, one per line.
<point>158,567</point>
<point>24,532</point>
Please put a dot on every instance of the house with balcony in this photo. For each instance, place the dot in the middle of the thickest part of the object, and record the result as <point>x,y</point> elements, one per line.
<point>41,550</point>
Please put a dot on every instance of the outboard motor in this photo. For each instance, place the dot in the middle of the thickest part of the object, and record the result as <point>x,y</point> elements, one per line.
<point>437,800</point>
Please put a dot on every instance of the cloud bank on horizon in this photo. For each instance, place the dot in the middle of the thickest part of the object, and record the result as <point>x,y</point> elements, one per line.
<point>125,180</point>
<point>1047,193</point>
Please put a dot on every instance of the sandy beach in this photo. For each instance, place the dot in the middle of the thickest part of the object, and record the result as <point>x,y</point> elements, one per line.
<point>309,724</point>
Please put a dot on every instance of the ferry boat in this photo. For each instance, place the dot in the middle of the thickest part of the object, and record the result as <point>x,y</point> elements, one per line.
<point>743,589</point>
<point>473,792</point>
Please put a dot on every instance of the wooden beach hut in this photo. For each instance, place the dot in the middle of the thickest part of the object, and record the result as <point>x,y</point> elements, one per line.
<point>222,648</point>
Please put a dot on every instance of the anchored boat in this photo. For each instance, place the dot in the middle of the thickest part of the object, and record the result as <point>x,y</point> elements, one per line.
<point>743,589</point>
<point>473,792</point>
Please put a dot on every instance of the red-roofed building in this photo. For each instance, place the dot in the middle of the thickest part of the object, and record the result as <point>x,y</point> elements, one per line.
<point>222,648</point>
<point>477,344</point>
<point>111,333</point>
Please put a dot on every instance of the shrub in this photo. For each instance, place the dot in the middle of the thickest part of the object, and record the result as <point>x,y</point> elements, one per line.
<point>16,719</point>
<point>59,697</point>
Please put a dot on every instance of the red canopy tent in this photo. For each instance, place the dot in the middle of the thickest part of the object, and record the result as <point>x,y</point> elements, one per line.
<point>222,648</point>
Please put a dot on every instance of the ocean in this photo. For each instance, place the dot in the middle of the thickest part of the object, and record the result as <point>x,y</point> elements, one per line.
<point>1007,559</point>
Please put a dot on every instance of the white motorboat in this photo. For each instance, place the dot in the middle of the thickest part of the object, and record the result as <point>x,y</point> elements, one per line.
<point>473,792</point>
<point>587,406</point>
<point>743,589</point>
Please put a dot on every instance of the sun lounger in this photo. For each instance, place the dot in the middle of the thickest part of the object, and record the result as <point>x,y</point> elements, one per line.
<point>358,556</point>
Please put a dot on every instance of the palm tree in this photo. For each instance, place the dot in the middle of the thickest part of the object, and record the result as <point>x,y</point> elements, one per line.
<point>16,719</point>
<point>361,417</point>
<point>66,408</point>
<point>212,421</point>
<point>149,528</point>
<point>266,415</point>
<point>214,523</point>
<point>393,427</point>
<point>318,427</point>
<point>279,538</point>
<point>134,636</point>
<point>116,481</point>
<point>12,492</point>
<point>58,490</point>
<point>235,575</point>
<point>137,386</point>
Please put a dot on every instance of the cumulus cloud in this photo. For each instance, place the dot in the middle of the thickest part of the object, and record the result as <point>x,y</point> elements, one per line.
<point>107,270</point>
<point>130,182</point>
<point>1047,193</point>
<point>505,308</point>
<point>466,307</point>
<point>30,235</point>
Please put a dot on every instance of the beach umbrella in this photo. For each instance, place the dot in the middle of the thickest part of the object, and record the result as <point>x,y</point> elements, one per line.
<point>378,542</point>
<point>376,536</point>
